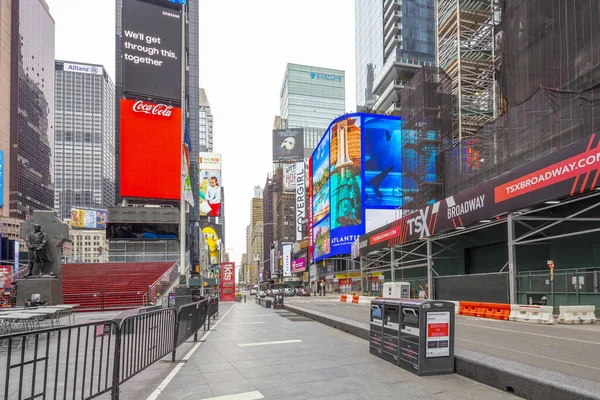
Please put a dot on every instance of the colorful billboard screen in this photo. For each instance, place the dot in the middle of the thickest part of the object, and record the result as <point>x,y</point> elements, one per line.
<point>150,150</point>
<point>320,180</point>
<point>289,178</point>
<point>212,238</point>
<point>88,218</point>
<point>356,181</point>
<point>299,265</point>
<point>345,169</point>
<point>151,41</point>
<point>209,186</point>
<point>288,145</point>
<point>383,167</point>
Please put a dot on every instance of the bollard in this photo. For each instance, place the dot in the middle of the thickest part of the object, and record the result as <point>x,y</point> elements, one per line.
<point>244,298</point>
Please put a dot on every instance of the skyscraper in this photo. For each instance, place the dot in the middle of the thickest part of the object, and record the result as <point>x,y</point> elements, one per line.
<point>84,137</point>
<point>394,38</point>
<point>310,98</point>
<point>30,159</point>
<point>205,124</point>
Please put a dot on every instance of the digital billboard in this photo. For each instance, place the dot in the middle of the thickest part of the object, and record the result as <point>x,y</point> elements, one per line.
<point>151,45</point>
<point>345,181</point>
<point>320,179</point>
<point>212,237</point>
<point>288,145</point>
<point>150,150</point>
<point>209,185</point>
<point>299,265</point>
<point>355,181</point>
<point>82,218</point>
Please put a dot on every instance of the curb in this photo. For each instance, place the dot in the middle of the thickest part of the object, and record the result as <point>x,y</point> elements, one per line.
<point>520,379</point>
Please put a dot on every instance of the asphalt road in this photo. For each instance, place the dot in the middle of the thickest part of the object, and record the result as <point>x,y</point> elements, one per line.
<point>570,349</point>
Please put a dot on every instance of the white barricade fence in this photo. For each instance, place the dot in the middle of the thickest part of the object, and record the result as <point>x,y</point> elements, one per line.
<point>577,315</point>
<point>349,298</point>
<point>531,314</point>
<point>365,300</point>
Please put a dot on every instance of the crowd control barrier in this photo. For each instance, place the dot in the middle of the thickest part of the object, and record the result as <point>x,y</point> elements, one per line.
<point>531,314</point>
<point>417,335</point>
<point>278,302</point>
<point>87,360</point>
<point>577,315</point>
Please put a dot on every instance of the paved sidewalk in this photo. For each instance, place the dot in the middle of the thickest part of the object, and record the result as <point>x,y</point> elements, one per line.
<point>263,353</point>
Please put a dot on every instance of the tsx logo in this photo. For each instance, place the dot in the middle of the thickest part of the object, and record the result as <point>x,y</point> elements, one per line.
<point>162,110</point>
<point>418,224</point>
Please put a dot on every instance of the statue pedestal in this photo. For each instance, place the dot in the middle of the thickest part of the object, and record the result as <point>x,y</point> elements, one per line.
<point>49,289</point>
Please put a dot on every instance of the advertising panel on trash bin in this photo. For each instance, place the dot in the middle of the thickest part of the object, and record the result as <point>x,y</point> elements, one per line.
<point>438,334</point>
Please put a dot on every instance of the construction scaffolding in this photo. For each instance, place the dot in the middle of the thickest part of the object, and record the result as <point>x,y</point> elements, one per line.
<point>426,135</point>
<point>547,43</point>
<point>466,51</point>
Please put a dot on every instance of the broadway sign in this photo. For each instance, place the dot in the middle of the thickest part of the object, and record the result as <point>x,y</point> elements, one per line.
<point>570,171</point>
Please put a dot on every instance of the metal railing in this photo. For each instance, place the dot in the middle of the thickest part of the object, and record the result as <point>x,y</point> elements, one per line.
<point>87,360</point>
<point>569,287</point>
<point>162,284</point>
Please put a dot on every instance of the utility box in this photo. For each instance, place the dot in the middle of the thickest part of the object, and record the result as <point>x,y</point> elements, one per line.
<point>396,290</point>
<point>376,331</point>
<point>426,345</point>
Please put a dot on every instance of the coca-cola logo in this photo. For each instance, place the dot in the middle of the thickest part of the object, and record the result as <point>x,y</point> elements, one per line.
<point>162,110</point>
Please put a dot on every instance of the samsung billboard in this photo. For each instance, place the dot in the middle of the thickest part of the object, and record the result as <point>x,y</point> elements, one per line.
<point>151,46</point>
<point>355,181</point>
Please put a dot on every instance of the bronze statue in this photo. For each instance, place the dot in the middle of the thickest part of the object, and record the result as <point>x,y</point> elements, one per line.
<point>38,254</point>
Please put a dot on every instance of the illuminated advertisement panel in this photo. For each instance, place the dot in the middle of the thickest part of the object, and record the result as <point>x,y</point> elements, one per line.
<point>150,150</point>
<point>210,183</point>
<point>345,182</point>
<point>355,182</point>
<point>88,218</point>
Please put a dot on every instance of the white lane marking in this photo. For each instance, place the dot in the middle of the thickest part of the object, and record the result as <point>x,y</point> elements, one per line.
<point>529,354</point>
<point>255,315</point>
<point>240,396</point>
<point>244,323</point>
<point>173,373</point>
<point>529,333</point>
<point>269,343</point>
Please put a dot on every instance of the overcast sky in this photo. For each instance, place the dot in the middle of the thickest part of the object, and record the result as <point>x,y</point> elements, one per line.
<point>244,48</point>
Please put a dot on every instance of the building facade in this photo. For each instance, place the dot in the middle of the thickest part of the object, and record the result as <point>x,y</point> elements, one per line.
<point>31,160</point>
<point>394,38</point>
<point>205,124</point>
<point>310,98</point>
<point>5,115</point>
<point>84,137</point>
<point>88,246</point>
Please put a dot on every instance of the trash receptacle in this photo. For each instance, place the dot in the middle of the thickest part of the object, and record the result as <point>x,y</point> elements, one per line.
<point>376,331</point>
<point>278,303</point>
<point>391,327</point>
<point>426,344</point>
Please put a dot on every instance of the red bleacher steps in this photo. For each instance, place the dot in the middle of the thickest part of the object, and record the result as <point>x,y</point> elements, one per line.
<point>109,286</point>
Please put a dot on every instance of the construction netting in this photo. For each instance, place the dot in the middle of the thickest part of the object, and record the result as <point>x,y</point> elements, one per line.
<point>426,133</point>
<point>548,121</point>
<point>547,43</point>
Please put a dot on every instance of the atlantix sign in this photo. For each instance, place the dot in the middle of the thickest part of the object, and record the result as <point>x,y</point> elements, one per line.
<point>570,171</point>
<point>151,48</point>
<point>150,150</point>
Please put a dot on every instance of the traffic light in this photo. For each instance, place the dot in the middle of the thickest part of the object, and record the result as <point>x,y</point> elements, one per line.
<point>197,269</point>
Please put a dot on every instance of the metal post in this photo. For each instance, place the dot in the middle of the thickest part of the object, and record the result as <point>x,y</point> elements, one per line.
<point>430,270</point>
<point>182,233</point>
<point>392,262</point>
<point>362,277</point>
<point>512,268</point>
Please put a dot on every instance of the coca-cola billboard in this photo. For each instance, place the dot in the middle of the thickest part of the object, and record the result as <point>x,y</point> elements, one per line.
<point>150,150</point>
<point>151,49</point>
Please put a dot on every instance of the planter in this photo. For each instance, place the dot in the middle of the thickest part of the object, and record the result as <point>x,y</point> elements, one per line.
<point>238,299</point>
